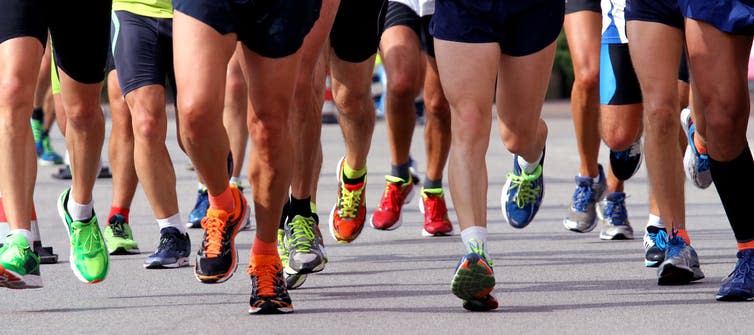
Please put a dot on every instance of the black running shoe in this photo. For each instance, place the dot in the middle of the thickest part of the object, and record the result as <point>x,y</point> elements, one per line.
<point>625,163</point>
<point>268,287</point>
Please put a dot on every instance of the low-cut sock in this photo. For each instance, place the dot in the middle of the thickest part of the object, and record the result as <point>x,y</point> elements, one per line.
<point>655,221</point>
<point>301,207</point>
<point>235,180</point>
<point>472,236</point>
<point>23,232</point>
<point>77,211</point>
<point>353,176</point>
<point>223,201</point>
<point>124,212</point>
<point>430,184</point>
<point>730,179</point>
<point>172,221</point>
<point>529,167</point>
<point>401,171</point>
<point>682,233</point>
<point>260,247</point>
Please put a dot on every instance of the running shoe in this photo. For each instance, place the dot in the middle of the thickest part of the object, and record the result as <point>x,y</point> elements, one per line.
<point>522,195</point>
<point>37,130</point>
<point>88,257</point>
<point>681,264</point>
<point>269,294</point>
<point>200,209</point>
<point>349,212</point>
<point>19,265</point>
<point>398,192</point>
<point>626,163</point>
<point>695,164</point>
<point>217,258</point>
<point>305,246</point>
<point>613,217</point>
<point>436,221</point>
<point>655,243</point>
<point>739,285</point>
<point>172,252</point>
<point>48,156</point>
<point>118,236</point>
<point>295,280</point>
<point>473,282</point>
<point>582,215</point>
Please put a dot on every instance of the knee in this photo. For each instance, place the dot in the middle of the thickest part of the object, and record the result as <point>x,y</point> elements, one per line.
<point>15,96</point>
<point>619,138</point>
<point>195,118</point>
<point>268,130</point>
<point>587,78</point>
<point>437,106</point>
<point>661,119</point>
<point>352,101</point>
<point>402,85</point>
<point>470,128</point>
<point>83,113</point>
<point>725,117</point>
<point>150,125</point>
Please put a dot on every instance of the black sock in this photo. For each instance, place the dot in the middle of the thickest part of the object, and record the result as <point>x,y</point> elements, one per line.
<point>38,114</point>
<point>731,178</point>
<point>301,207</point>
<point>401,171</point>
<point>284,216</point>
<point>430,184</point>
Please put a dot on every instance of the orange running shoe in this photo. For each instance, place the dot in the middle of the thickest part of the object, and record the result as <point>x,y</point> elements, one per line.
<point>269,294</point>
<point>217,258</point>
<point>348,215</point>
<point>398,192</point>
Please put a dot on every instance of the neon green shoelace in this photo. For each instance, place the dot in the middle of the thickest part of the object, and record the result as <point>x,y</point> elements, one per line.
<point>349,202</point>
<point>302,233</point>
<point>525,193</point>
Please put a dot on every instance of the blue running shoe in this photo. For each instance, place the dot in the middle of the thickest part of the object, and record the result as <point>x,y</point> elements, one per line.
<point>582,215</point>
<point>655,243</point>
<point>739,285</point>
<point>695,164</point>
<point>172,252</point>
<point>681,264</point>
<point>199,211</point>
<point>613,216</point>
<point>522,195</point>
<point>627,162</point>
<point>473,282</point>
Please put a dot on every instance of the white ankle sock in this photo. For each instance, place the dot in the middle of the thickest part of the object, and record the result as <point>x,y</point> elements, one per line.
<point>79,212</point>
<point>529,167</point>
<point>235,180</point>
<point>472,236</point>
<point>172,221</point>
<point>24,232</point>
<point>656,221</point>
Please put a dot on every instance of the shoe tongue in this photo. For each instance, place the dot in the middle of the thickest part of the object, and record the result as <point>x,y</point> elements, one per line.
<point>169,230</point>
<point>354,187</point>
<point>395,180</point>
<point>584,181</point>
<point>615,196</point>
<point>217,213</point>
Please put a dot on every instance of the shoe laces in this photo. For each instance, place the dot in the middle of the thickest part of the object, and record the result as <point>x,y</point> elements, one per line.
<point>615,211</point>
<point>435,208</point>
<point>392,196</point>
<point>526,193</point>
<point>660,239</point>
<point>266,275</point>
<point>349,201</point>
<point>302,233</point>
<point>88,240</point>
<point>675,247</point>
<point>118,229</point>
<point>478,248</point>
<point>582,196</point>
<point>167,242</point>
<point>214,229</point>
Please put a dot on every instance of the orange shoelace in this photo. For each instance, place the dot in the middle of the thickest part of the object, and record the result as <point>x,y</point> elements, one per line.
<point>214,228</point>
<point>266,270</point>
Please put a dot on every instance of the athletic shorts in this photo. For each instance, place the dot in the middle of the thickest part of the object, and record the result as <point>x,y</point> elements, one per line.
<point>683,68</point>
<point>573,6</point>
<point>618,82</point>
<point>358,26</point>
<point>660,11</point>
<point>520,27</point>
<point>271,28</point>
<point>143,50</point>
<point>730,16</point>
<point>79,29</point>
<point>399,14</point>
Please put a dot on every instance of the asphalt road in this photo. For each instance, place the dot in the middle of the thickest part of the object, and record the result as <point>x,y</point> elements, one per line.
<point>549,280</point>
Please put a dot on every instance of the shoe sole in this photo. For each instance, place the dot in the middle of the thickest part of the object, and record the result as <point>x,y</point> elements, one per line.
<point>735,296</point>
<point>472,282</point>
<point>425,233</point>
<point>42,162</point>
<point>183,261</point>
<point>304,270</point>
<point>294,281</point>
<point>221,278</point>
<point>674,275</point>
<point>573,226</point>
<point>120,251</point>
<point>270,308</point>
<point>76,272</point>
<point>652,264</point>
<point>12,280</point>
<point>616,237</point>
<point>701,180</point>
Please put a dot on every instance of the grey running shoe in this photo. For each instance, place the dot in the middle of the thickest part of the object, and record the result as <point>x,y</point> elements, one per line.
<point>292,281</point>
<point>625,163</point>
<point>582,214</point>
<point>681,264</point>
<point>695,164</point>
<point>613,217</point>
<point>305,246</point>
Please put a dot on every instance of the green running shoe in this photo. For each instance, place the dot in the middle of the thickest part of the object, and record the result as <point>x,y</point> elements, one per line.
<point>19,265</point>
<point>88,257</point>
<point>119,238</point>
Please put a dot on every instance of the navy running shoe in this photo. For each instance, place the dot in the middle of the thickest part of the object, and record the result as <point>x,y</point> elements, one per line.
<point>200,209</point>
<point>739,285</point>
<point>627,162</point>
<point>172,252</point>
<point>522,195</point>
<point>681,264</point>
<point>655,243</point>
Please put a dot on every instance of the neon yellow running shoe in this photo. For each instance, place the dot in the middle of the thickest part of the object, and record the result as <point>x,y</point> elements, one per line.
<point>88,257</point>
<point>19,265</point>
<point>118,237</point>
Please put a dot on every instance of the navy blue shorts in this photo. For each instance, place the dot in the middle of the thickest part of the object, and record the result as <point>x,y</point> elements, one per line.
<point>399,14</point>
<point>520,27</point>
<point>573,6</point>
<point>142,49</point>
<point>358,26</point>
<point>271,28</point>
<point>618,82</point>
<point>730,16</point>
<point>660,11</point>
<point>79,30</point>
